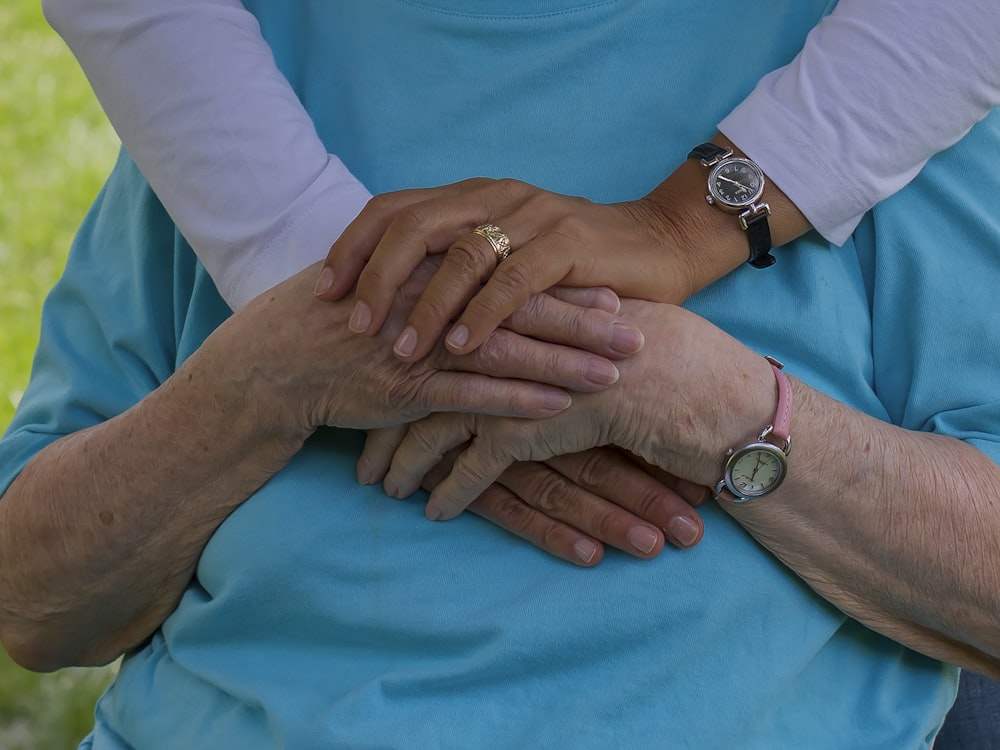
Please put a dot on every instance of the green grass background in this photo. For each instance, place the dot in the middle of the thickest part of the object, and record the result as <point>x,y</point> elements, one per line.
<point>56,147</point>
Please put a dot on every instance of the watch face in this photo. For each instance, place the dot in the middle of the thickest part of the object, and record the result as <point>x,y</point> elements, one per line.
<point>736,182</point>
<point>755,470</point>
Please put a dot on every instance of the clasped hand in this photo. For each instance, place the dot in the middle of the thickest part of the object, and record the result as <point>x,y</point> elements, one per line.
<point>692,393</point>
<point>297,354</point>
<point>556,240</point>
<point>316,373</point>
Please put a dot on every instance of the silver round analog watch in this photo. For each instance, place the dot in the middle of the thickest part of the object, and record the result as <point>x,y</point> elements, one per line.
<point>758,468</point>
<point>735,185</point>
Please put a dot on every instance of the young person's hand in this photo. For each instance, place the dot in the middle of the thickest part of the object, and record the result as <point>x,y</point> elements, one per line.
<point>504,240</point>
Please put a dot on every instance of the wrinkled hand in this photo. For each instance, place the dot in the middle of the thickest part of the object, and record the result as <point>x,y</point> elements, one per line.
<point>295,359</point>
<point>690,395</point>
<point>556,239</point>
<point>570,506</point>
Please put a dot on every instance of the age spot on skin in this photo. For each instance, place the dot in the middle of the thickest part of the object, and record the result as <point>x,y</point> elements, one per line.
<point>107,517</point>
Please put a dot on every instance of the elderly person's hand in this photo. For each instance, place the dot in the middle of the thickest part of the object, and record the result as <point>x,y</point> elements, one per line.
<point>688,396</point>
<point>314,369</point>
<point>294,357</point>
<point>331,377</point>
<point>867,514</point>
<point>570,506</point>
<point>231,416</point>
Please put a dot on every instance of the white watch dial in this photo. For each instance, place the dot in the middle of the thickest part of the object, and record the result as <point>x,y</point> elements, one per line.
<point>755,470</point>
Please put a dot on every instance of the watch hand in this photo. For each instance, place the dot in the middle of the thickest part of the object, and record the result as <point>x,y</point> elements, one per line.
<point>740,185</point>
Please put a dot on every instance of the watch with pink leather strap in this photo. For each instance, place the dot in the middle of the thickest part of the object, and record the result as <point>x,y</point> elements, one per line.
<point>758,468</point>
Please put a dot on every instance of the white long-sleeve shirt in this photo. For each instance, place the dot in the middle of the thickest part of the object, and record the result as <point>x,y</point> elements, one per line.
<point>193,91</point>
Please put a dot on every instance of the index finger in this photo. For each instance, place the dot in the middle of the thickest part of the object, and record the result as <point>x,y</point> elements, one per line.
<point>475,469</point>
<point>534,268</point>
<point>423,228</point>
<point>349,252</point>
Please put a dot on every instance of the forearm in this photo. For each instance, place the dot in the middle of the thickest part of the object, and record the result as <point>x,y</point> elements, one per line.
<point>101,532</point>
<point>195,95</point>
<point>897,528</point>
<point>839,139</point>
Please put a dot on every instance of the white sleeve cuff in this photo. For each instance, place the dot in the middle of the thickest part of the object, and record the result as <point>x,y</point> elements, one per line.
<point>878,89</point>
<point>300,237</point>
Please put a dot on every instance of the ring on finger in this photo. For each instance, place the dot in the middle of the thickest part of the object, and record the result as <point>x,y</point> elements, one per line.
<point>498,240</point>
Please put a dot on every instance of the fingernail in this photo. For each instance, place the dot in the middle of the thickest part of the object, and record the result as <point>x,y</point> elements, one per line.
<point>458,336</point>
<point>432,513</point>
<point>642,538</point>
<point>626,339</point>
<point>585,550</point>
<point>390,488</point>
<point>325,282</point>
<point>683,530</point>
<point>556,401</point>
<point>364,472</point>
<point>406,342</point>
<point>601,372</point>
<point>361,318</point>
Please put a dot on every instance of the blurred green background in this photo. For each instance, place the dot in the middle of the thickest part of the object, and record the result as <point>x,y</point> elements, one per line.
<point>56,147</point>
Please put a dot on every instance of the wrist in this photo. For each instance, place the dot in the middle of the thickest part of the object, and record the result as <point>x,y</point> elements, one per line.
<point>786,222</point>
<point>756,468</point>
<point>711,243</point>
<point>239,403</point>
<point>705,409</point>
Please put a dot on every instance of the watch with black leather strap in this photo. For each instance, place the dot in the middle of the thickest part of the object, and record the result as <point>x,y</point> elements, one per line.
<point>735,184</point>
<point>758,468</point>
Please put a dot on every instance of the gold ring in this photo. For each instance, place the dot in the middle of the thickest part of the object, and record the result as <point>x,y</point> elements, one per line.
<point>497,239</point>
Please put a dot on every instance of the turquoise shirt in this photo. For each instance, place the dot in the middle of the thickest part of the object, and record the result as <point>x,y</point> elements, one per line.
<point>324,615</point>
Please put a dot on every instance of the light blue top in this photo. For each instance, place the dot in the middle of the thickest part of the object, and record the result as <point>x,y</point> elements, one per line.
<point>324,615</point>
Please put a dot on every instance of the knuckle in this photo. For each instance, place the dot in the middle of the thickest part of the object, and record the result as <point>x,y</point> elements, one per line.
<point>426,438</point>
<point>569,227</point>
<point>412,219</point>
<point>510,188</point>
<point>650,504</point>
<point>553,537</point>
<point>407,391</point>
<point>374,276</point>
<point>433,306</point>
<point>478,183</point>
<point>536,306</point>
<point>385,203</point>
<point>470,469</point>
<point>595,468</point>
<point>544,203</point>
<point>509,285</point>
<point>507,510</point>
<point>607,527</point>
<point>514,276</point>
<point>578,325</point>
<point>467,259</point>
<point>494,351</point>
<point>550,494</point>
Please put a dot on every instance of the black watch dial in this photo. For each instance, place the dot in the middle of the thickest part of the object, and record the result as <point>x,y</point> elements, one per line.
<point>735,182</point>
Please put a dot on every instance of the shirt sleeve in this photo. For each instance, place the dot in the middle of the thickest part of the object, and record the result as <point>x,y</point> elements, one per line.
<point>879,87</point>
<point>930,252</point>
<point>194,93</point>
